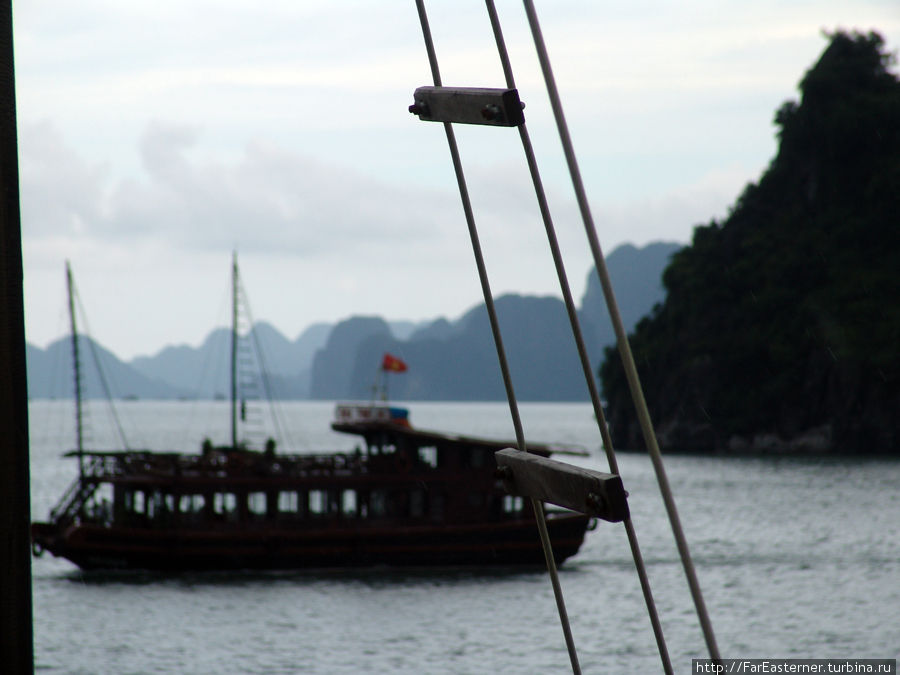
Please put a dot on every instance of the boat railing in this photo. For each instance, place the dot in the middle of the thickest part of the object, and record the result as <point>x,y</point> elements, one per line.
<point>222,464</point>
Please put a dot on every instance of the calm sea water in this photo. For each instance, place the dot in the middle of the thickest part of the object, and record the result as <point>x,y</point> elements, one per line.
<point>796,558</point>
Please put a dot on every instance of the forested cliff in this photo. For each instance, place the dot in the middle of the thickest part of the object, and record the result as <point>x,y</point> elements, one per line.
<point>780,330</point>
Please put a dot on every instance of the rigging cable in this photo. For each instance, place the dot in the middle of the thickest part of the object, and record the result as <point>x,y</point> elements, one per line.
<point>538,507</point>
<point>281,429</point>
<point>100,372</point>
<point>621,336</point>
<point>579,339</point>
<point>208,376</point>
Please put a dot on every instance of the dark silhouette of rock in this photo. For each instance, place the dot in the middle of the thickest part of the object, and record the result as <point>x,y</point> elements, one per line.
<point>780,327</point>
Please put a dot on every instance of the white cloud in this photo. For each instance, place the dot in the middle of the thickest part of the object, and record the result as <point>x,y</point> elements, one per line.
<point>156,137</point>
<point>60,192</point>
<point>672,216</point>
<point>270,200</point>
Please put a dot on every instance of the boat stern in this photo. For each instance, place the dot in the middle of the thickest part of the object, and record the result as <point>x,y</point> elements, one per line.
<point>45,537</point>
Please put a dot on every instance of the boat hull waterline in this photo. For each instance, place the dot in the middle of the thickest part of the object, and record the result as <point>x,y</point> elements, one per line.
<point>510,544</point>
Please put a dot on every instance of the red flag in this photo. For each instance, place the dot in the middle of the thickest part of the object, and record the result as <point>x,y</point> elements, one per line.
<point>392,364</point>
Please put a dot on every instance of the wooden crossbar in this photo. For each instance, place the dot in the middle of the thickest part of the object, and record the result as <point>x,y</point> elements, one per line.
<point>593,493</point>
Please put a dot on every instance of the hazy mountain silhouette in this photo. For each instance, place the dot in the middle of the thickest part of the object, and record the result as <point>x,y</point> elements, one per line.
<point>204,370</point>
<point>334,367</point>
<point>449,360</point>
<point>50,373</point>
<point>462,365</point>
<point>457,360</point>
<point>636,275</point>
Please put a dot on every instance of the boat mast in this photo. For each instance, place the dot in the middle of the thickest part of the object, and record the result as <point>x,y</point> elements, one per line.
<point>76,361</point>
<point>234,339</point>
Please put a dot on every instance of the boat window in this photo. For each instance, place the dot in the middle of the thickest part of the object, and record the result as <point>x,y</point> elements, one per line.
<point>192,503</point>
<point>429,455</point>
<point>377,502</point>
<point>417,503</point>
<point>437,505</point>
<point>100,507</point>
<point>159,504</point>
<point>137,504</point>
<point>348,502</point>
<point>224,502</point>
<point>288,502</point>
<point>476,458</point>
<point>512,504</point>
<point>256,503</point>
<point>398,503</point>
<point>334,505</point>
<point>318,503</point>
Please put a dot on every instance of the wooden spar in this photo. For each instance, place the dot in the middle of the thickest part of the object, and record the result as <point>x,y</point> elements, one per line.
<point>76,366</point>
<point>234,341</point>
<point>593,493</point>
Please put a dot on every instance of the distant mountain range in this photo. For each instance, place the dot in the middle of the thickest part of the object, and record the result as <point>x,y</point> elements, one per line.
<point>448,360</point>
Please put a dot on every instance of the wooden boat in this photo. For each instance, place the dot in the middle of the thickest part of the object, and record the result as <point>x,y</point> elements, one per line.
<point>405,497</point>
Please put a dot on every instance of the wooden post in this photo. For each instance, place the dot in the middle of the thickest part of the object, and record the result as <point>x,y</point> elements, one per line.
<point>16,639</point>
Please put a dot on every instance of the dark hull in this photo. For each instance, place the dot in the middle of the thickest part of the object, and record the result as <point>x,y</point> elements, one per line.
<point>504,543</point>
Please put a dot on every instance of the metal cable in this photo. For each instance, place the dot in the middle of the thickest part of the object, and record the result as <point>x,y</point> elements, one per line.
<point>579,339</point>
<point>107,390</point>
<point>538,507</point>
<point>621,336</point>
<point>280,427</point>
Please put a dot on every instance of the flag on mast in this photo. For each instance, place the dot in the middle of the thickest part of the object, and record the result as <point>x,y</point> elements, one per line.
<point>391,364</point>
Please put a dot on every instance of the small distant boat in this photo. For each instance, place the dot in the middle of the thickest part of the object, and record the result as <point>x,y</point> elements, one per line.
<point>405,497</point>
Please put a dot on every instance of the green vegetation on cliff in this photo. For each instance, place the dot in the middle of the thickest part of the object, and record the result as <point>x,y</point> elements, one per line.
<point>781,324</point>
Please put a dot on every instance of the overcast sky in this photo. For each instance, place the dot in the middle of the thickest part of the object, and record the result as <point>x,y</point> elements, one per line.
<point>155,137</point>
